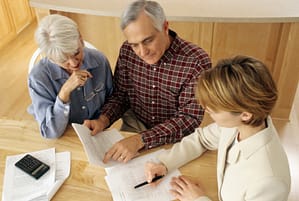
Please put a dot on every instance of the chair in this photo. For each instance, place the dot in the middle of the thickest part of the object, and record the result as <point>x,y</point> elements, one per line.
<point>37,55</point>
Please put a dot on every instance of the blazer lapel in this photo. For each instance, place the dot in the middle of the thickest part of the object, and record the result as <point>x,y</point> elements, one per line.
<point>227,138</point>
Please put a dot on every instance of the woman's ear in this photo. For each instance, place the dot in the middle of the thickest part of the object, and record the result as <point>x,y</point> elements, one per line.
<point>246,116</point>
<point>81,40</point>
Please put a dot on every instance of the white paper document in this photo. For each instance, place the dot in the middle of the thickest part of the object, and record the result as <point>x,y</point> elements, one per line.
<point>63,167</point>
<point>96,146</point>
<point>122,178</point>
<point>19,186</point>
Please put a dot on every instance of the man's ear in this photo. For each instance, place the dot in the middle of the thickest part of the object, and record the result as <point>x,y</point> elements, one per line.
<point>246,116</point>
<point>166,27</point>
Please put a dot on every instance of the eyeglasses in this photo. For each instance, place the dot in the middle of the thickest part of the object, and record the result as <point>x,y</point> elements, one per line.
<point>93,93</point>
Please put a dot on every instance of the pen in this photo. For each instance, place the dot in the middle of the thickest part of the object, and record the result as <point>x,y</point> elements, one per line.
<point>153,180</point>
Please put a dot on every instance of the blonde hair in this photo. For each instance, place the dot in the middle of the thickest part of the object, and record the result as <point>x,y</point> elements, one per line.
<point>58,37</point>
<point>236,85</point>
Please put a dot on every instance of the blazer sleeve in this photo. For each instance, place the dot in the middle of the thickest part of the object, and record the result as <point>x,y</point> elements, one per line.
<point>191,147</point>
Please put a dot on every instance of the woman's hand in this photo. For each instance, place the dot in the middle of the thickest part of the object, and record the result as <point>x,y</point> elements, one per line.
<point>154,169</point>
<point>184,189</point>
<point>77,78</point>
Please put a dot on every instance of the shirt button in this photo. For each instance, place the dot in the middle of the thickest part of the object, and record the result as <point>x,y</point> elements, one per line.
<point>153,117</point>
<point>154,86</point>
<point>83,107</point>
<point>155,69</point>
<point>153,102</point>
<point>164,63</point>
<point>78,89</point>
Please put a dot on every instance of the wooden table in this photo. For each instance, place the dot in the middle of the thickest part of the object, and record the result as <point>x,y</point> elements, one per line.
<point>86,182</point>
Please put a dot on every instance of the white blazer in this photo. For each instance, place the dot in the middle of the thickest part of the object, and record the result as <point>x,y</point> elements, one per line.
<point>255,169</point>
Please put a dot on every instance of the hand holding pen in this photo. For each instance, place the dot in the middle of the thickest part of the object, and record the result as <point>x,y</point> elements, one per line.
<point>156,178</point>
<point>154,173</point>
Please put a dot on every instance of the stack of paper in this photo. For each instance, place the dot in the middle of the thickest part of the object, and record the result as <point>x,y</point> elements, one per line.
<point>19,186</point>
<point>96,146</point>
<point>122,178</point>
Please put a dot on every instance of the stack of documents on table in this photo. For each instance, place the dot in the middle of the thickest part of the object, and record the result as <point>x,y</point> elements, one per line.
<point>96,146</point>
<point>122,178</point>
<point>19,186</point>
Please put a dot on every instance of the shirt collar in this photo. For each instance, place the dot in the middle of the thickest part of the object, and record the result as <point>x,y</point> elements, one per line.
<point>173,48</point>
<point>249,146</point>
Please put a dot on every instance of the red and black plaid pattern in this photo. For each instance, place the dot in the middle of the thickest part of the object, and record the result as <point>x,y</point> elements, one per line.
<point>161,95</point>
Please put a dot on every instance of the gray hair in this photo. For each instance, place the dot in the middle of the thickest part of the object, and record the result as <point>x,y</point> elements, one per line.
<point>151,9</point>
<point>57,36</point>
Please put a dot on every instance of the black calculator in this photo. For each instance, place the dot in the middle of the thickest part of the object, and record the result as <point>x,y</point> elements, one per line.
<point>32,166</point>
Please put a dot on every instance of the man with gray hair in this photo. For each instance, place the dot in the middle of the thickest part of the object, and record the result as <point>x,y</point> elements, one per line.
<point>154,79</point>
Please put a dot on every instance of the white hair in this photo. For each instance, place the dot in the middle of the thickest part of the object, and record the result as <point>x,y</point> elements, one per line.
<point>57,36</point>
<point>150,8</point>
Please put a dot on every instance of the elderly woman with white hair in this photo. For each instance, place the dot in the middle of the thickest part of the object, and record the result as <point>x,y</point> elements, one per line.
<point>71,83</point>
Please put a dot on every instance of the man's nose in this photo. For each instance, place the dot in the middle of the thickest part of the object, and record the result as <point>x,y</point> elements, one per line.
<point>143,50</point>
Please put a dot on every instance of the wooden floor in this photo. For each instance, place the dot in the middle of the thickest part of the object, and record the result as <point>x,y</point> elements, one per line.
<point>14,100</point>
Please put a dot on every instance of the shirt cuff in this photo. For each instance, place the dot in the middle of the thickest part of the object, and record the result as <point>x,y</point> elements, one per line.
<point>65,107</point>
<point>147,141</point>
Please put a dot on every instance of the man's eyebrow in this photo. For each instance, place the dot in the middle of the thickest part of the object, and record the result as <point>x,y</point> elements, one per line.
<point>147,38</point>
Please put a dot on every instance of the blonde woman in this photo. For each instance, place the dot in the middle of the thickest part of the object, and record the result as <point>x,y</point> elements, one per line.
<point>238,94</point>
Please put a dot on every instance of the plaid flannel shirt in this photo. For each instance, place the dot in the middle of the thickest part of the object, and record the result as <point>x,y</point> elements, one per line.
<point>160,95</point>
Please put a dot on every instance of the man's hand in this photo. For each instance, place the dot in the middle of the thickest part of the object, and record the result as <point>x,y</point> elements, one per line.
<point>125,149</point>
<point>97,125</point>
<point>184,189</point>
